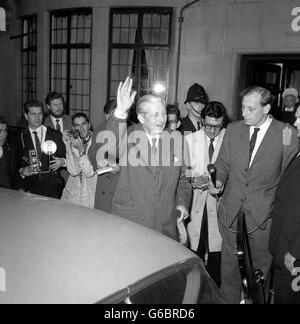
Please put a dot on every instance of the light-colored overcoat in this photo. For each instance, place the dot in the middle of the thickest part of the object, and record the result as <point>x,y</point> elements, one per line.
<point>198,148</point>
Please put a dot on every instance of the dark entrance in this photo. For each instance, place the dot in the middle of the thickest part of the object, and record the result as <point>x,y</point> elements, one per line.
<point>275,72</point>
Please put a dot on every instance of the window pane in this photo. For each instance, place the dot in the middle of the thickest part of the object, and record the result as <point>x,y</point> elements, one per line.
<point>71,64</point>
<point>146,65</point>
<point>28,59</point>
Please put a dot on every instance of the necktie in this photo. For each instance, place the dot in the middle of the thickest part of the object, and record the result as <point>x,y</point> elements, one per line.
<point>211,149</point>
<point>37,144</point>
<point>253,142</point>
<point>58,128</point>
<point>154,160</point>
<point>199,125</point>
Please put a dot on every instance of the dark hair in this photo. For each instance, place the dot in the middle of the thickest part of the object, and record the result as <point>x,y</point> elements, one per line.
<point>215,109</point>
<point>265,94</point>
<point>173,110</point>
<point>80,115</point>
<point>3,120</point>
<point>52,96</point>
<point>110,106</point>
<point>33,103</point>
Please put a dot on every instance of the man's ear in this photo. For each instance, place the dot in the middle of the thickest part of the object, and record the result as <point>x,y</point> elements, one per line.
<point>178,124</point>
<point>267,109</point>
<point>26,116</point>
<point>141,119</point>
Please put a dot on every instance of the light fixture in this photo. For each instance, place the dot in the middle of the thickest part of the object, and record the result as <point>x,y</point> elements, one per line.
<point>159,88</point>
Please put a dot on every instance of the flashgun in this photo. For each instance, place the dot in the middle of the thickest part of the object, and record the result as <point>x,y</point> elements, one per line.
<point>49,147</point>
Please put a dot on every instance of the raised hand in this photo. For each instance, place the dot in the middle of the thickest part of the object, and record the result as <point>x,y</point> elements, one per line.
<point>125,97</point>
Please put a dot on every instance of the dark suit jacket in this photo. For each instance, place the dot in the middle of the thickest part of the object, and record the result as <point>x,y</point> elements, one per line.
<point>285,232</point>
<point>8,174</point>
<point>67,121</point>
<point>48,184</point>
<point>106,183</point>
<point>145,194</point>
<point>252,189</point>
<point>187,126</point>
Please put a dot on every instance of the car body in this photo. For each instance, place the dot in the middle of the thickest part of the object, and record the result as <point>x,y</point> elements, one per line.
<point>53,253</point>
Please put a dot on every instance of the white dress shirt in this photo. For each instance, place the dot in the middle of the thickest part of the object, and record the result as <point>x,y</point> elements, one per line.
<point>41,133</point>
<point>260,136</point>
<point>151,137</point>
<point>61,123</point>
<point>214,142</point>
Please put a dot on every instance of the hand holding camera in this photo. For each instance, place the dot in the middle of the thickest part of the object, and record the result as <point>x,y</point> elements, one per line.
<point>202,182</point>
<point>72,138</point>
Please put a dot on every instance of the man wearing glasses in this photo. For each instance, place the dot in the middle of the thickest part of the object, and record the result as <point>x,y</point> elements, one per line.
<point>203,147</point>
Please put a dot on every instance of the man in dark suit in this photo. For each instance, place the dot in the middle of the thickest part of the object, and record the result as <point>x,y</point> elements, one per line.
<point>285,233</point>
<point>153,189</point>
<point>195,101</point>
<point>49,183</point>
<point>254,154</point>
<point>285,237</point>
<point>57,119</point>
<point>7,159</point>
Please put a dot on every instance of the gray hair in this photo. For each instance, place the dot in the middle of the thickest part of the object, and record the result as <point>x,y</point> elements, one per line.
<point>148,99</point>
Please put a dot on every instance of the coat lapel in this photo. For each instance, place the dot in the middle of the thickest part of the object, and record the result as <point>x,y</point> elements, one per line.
<point>245,145</point>
<point>218,145</point>
<point>266,143</point>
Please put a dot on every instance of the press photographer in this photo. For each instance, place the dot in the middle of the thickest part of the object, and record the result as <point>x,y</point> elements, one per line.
<point>81,185</point>
<point>40,171</point>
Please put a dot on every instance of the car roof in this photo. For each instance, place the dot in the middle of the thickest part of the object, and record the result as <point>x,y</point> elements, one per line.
<point>53,252</point>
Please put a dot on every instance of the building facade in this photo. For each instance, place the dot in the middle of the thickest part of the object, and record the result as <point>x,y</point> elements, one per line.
<point>84,47</point>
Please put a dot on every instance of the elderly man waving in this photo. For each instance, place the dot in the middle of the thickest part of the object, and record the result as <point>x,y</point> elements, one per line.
<point>153,189</point>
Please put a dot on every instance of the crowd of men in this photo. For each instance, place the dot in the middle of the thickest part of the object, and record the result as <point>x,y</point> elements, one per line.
<point>156,173</point>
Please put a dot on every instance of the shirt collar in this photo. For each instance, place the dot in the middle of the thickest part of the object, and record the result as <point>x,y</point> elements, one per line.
<point>215,139</point>
<point>55,119</point>
<point>151,137</point>
<point>36,130</point>
<point>264,126</point>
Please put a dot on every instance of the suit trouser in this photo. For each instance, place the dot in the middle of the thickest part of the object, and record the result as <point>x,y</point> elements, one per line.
<point>261,258</point>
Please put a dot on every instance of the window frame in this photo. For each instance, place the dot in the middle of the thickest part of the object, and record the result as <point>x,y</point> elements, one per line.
<point>31,94</point>
<point>138,46</point>
<point>69,46</point>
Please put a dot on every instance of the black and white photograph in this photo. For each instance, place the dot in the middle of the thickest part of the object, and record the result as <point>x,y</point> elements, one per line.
<point>149,154</point>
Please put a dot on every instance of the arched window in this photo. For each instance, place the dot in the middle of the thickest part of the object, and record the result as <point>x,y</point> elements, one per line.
<point>2,20</point>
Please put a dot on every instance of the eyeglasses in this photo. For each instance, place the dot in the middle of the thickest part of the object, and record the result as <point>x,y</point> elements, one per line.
<point>213,127</point>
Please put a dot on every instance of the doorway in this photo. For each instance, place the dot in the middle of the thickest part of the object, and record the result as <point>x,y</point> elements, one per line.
<point>275,72</point>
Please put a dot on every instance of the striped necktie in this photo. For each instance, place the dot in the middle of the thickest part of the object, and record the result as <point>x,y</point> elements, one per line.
<point>58,128</point>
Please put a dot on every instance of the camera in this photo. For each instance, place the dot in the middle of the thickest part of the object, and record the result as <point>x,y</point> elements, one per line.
<point>74,133</point>
<point>34,162</point>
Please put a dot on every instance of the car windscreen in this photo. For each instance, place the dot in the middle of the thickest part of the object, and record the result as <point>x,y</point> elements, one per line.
<point>184,283</point>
